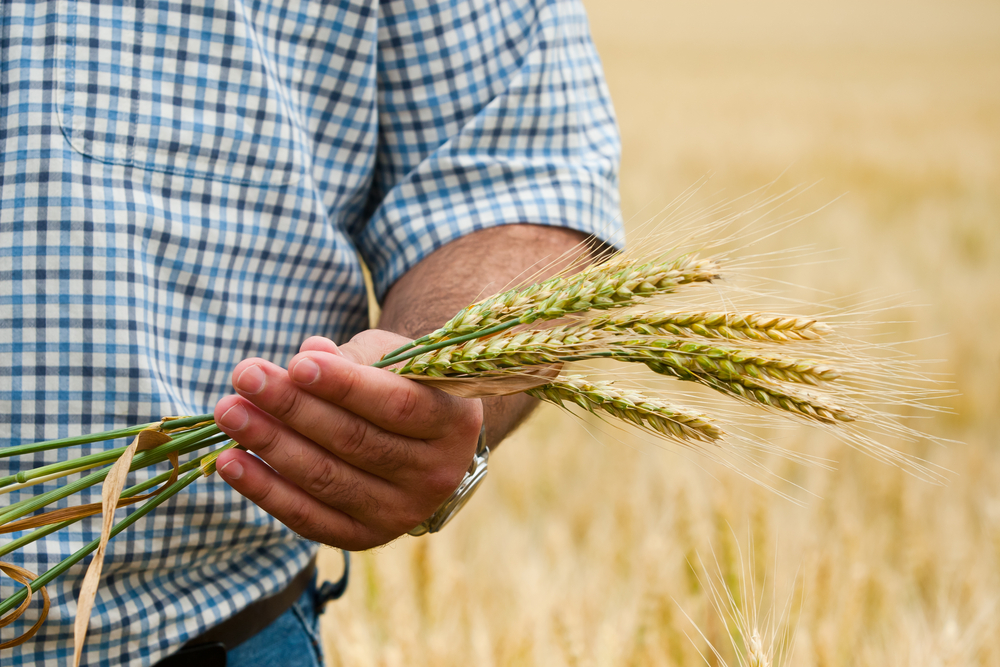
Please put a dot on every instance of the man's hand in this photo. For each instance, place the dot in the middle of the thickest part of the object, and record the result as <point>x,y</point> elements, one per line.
<point>351,456</point>
<point>358,456</point>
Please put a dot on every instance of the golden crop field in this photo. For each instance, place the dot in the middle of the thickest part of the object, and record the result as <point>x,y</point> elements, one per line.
<point>585,545</point>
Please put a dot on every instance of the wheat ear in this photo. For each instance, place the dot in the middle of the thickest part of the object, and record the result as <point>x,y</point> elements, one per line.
<point>780,397</point>
<point>617,283</point>
<point>654,414</point>
<point>727,363</point>
<point>743,374</point>
<point>762,327</point>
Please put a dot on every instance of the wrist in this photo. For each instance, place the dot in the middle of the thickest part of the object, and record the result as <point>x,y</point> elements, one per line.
<point>470,483</point>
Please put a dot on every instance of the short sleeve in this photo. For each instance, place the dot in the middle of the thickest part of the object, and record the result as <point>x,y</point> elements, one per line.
<point>490,113</point>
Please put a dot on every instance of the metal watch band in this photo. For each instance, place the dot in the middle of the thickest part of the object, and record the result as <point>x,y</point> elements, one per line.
<point>456,501</point>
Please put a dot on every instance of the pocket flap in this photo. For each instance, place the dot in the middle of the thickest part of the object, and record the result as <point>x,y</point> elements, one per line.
<point>177,88</point>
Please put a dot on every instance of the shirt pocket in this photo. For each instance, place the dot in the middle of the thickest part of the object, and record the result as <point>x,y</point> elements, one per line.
<point>181,88</point>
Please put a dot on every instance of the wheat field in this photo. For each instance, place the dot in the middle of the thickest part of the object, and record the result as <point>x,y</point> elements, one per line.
<point>590,546</point>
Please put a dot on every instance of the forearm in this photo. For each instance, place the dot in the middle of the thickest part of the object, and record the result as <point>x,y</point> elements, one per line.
<point>468,269</point>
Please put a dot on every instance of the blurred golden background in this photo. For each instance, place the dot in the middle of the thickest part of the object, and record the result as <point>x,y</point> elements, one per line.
<point>583,547</point>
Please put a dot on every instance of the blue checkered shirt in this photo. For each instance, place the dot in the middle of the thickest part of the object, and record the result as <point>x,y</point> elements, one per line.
<point>184,184</point>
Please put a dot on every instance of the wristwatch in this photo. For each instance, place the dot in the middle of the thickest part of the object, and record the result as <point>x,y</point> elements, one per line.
<point>473,478</point>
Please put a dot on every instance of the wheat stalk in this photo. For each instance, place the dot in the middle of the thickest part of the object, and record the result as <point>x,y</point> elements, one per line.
<point>198,433</point>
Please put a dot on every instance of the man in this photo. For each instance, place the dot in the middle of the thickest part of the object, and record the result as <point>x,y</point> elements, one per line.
<point>185,188</point>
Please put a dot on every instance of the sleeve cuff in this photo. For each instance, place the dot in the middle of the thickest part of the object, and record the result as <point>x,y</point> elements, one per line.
<point>431,209</point>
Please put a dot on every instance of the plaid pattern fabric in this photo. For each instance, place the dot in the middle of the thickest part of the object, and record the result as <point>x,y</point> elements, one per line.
<point>186,183</point>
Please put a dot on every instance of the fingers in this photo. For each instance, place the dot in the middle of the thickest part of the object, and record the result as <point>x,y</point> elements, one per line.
<point>357,455</point>
<point>369,346</point>
<point>301,461</point>
<point>387,400</point>
<point>280,406</point>
<point>319,344</point>
<point>294,507</point>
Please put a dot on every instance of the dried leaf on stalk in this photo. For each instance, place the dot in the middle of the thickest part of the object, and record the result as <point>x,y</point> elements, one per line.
<point>111,492</point>
<point>485,385</point>
<point>23,576</point>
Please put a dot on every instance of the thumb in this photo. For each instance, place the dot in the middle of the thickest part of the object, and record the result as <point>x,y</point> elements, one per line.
<point>319,344</point>
<point>369,346</point>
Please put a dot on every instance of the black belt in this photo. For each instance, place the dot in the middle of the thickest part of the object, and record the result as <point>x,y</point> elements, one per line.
<point>209,648</point>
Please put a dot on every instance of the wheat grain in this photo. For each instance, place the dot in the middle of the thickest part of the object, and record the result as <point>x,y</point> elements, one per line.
<point>758,656</point>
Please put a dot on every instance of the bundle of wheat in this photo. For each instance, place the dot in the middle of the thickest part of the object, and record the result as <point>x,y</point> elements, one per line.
<point>504,344</point>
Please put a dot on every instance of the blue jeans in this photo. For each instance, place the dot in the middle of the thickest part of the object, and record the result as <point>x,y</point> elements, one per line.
<point>293,639</point>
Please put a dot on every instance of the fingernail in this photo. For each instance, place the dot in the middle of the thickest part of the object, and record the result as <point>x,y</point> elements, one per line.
<point>305,371</point>
<point>232,470</point>
<point>252,380</point>
<point>234,418</point>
